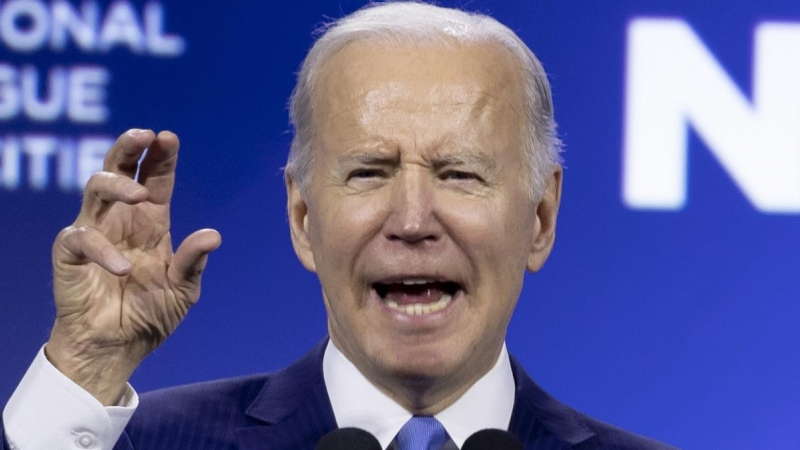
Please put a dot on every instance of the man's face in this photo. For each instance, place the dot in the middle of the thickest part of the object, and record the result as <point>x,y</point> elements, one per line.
<point>416,218</point>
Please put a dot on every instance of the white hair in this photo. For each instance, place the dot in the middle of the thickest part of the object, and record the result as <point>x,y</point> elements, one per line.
<point>414,23</point>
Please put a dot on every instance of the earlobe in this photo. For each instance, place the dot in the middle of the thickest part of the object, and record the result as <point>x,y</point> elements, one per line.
<point>297,209</point>
<point>544,233</point>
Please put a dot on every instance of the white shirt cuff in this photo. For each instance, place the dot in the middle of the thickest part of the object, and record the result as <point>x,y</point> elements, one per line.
<point>49,411</point>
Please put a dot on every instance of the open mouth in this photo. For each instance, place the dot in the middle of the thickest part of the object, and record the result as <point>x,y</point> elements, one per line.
<point>417,297</point>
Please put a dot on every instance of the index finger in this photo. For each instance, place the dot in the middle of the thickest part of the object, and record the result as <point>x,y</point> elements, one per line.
<point>123,157</point>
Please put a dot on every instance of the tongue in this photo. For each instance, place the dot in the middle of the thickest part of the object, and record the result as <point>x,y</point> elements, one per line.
<point>403,294</point>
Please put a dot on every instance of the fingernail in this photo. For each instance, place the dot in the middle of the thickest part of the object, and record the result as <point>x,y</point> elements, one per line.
<point>120,264</point>
<point>136,132</point>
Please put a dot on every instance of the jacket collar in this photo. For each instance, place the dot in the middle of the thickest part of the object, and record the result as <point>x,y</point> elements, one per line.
<point>292,411</point>
<point>538,417</point>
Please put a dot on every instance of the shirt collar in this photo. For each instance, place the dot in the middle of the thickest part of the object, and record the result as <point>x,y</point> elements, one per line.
<point>358,403</point>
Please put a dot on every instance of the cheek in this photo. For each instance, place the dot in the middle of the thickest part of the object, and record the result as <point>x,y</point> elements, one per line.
<point>488,230</point>
<point>494,237</point>
<point>339,230</point>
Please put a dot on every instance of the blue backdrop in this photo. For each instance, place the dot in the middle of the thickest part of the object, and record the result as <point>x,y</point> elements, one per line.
<point>675,320</point>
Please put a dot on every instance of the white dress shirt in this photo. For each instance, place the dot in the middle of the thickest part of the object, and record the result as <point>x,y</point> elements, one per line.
<point>358,403</point>
<point>49,411</point>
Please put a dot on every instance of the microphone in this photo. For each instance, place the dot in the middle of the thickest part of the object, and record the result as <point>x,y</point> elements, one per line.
<point>349,439</point>
<point>492,439</point>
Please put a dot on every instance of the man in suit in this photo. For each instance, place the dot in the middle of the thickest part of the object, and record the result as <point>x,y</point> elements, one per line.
<point>423,180</point>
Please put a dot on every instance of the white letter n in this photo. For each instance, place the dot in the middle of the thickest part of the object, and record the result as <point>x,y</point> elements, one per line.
<point>674,81</point>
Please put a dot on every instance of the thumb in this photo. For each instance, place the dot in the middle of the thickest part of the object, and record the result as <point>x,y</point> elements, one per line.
<point>190,260</point>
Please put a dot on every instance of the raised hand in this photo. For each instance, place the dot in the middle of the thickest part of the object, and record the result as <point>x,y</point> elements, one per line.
<point>119,289</point>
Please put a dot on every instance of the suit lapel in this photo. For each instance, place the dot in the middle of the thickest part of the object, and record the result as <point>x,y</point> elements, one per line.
<point>293,410</point>
<point>540,421</point>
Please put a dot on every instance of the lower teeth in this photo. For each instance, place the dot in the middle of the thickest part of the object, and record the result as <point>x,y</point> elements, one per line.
<point>419,309</point>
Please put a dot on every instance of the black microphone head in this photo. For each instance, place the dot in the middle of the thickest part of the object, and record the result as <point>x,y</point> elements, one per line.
<point>348,439</point>
<point>492,439</point>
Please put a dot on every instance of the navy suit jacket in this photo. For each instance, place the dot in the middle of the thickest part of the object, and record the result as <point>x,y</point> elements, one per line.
<point>290,410</point>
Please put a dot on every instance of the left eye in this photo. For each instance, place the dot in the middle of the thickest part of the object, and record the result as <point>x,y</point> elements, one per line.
<point>459,175</point>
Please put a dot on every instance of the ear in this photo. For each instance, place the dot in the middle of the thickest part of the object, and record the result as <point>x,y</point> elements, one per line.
<point>544,234</point>
<point>297,209</point>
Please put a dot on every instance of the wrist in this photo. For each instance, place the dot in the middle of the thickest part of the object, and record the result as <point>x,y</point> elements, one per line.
<point>101,369</point>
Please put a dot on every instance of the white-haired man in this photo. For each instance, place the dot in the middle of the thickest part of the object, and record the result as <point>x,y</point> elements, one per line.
<point>423,180</point>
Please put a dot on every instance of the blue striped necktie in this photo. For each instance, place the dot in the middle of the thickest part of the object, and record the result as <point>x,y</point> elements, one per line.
<point>421,433</point>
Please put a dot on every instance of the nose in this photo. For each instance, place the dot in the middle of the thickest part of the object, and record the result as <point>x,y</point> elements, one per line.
<point>411,214</point>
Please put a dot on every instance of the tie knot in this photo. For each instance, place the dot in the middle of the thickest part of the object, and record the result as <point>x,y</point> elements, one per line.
<point>421,433</point>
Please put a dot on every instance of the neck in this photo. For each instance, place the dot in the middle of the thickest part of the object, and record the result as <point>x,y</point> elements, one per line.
<point>425,394</point>
<point>422,396</point>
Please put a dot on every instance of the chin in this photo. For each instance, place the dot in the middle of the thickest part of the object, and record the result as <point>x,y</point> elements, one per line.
<point>421,363</point>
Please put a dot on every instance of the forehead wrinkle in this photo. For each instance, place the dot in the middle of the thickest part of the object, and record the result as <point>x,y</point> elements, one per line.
<point>379,98</point>
<point>483,105</point>
<point>354,104</point>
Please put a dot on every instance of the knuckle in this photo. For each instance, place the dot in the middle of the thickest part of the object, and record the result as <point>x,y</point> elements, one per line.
<point>70,233</point>
<point>65,232</point>
<point>80,234</point>
<point>63,236</point>
<point>99,179</point>
<point>67,241</point>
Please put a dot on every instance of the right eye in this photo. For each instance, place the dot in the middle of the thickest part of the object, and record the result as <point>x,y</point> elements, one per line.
<point>366,173</point>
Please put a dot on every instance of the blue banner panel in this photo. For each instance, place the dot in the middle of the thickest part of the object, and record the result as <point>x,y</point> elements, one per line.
<point>670,303</point>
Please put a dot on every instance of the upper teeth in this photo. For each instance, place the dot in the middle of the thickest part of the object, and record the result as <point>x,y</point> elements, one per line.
<point>415,281</point>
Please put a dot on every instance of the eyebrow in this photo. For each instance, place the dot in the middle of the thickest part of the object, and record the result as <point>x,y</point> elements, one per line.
<point>369,158</point>
<point>465,158</point>
<point>386,157</point>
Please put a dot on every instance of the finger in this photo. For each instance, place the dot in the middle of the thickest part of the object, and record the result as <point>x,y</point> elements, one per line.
<point>190,260</point>
<point>104,189</point>
<point>157,170</point>
<point>81,245</point>
<point>123,157</point>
